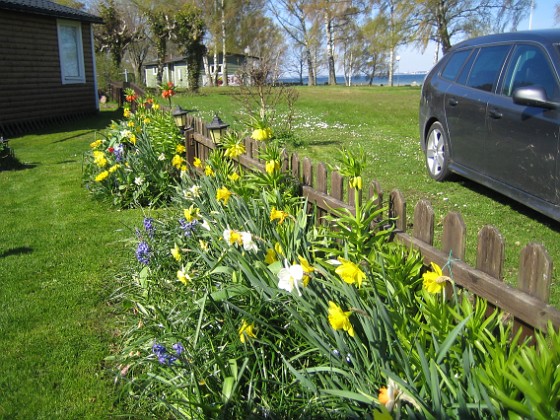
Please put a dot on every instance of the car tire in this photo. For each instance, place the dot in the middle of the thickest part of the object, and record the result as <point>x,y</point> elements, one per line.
<point>437,152</point>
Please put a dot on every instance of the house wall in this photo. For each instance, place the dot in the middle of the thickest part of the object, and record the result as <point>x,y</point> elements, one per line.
<point>30,77</point>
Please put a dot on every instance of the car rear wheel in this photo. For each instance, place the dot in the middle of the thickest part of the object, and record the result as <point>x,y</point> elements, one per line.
<point>437,153</point>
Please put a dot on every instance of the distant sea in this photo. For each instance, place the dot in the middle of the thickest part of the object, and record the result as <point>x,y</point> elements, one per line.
<point>405,79</point>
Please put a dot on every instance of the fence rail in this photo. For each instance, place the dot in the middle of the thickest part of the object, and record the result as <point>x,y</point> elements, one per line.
<point>527,304</point>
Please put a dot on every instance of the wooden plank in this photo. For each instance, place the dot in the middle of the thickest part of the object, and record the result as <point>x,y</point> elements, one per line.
<point>535,271</point>
<point>296,166</point>
<point>337,186</point>
<point>423,228</point>
<point>308,172</point>
<point>397,209</point>
<point>490,251</point>
<point>453,241</point>
<point>520,304</point>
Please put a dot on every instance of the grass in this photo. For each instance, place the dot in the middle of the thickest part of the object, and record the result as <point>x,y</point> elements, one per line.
<point>59,251</point>
<point>384,121</point>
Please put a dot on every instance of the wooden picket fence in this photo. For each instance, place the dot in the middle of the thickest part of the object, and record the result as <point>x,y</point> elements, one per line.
<point>527,304</point>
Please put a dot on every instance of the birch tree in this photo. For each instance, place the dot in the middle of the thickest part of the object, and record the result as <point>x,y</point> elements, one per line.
<point>302,27</point>
<point>444,20</point>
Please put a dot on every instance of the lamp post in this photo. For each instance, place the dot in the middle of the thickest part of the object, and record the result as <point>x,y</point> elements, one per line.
<point>216,128</point>
<point>180,118</point>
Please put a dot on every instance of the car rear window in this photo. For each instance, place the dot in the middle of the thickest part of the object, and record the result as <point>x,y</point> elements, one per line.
<point>486,68</point>
<point>454,64</point>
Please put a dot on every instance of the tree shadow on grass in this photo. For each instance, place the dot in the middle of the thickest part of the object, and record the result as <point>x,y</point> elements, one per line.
<point>16,251</point>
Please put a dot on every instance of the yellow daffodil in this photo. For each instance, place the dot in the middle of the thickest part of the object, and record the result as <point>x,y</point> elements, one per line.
<point>223,195</point>
<point>114,168</point>
<point>176,252</point>
<point>235,150</point>
<point>203,245</point>
<point>278,215</point>
<point>132,138</point>
<point>272,166</point>
<point>155,107</point>
<point>102,176</point>
<point>307,269</point>
<point>208,171</point>
<point>246,331</point>
<point>147,120</point>
<point>130,124</point>
<point>99,158</point>
<point>177,161</point>
<point>233,237</point>
<point>350,272</point>
<point>197,163</point>
<point>96,144</point>
<point>356,182</point>
<point>339,319</point>
<point>191,213</point>
<point>180,149</point>
<point>127,113</point>
<point>270,256</point>
<point>183,277</point>
<point>278,249</point>
<point>234,177</point>
<point>434,281</point>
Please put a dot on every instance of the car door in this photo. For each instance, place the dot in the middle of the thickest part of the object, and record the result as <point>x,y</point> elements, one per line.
<point>523,141</point>
<point>466,107</point>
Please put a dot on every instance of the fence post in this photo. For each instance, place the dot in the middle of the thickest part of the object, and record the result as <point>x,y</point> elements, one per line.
<point>423,228</point>
<point>535,271</point>
<point>397,209</point>
<point>490,252</point>
<point>454,236</point>
<point>308,172</point>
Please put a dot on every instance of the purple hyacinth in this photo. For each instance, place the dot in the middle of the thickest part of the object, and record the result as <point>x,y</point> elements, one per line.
<point>149,226</point>
<point>119,151</point>
<point>163,356</point>
<point>143,253</point>
<point>179,349</point>
<point>188,227</point>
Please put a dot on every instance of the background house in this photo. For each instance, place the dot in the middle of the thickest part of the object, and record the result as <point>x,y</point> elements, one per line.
<point>47,64</point>
<point>175,70</point>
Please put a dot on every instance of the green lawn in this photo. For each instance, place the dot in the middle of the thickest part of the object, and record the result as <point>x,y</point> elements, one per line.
<point>384,121</point>
<point>59,251</point>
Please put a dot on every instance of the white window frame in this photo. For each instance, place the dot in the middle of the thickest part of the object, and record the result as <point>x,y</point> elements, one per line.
<point>73,59</point>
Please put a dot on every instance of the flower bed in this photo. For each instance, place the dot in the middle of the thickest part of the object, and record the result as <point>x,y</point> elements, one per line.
<point>240,305</point>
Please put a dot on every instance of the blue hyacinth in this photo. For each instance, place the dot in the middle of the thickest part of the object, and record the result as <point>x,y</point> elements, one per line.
<point>149,226</point>
<point>143,253</point>
<point>188,227</point>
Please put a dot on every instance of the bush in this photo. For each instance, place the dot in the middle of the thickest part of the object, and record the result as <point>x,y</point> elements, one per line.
<point>139,159</point>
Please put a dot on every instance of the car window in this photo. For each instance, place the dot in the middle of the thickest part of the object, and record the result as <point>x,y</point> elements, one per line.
<point>486,69</point>
<point>454,64</point>
<point>529,66</point>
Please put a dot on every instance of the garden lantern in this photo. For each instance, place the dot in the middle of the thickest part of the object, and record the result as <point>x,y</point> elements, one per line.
<point>180,117</point>
<point>216,128</point>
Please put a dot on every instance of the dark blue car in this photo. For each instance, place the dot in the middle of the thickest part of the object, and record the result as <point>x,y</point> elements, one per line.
<point>490,112</point>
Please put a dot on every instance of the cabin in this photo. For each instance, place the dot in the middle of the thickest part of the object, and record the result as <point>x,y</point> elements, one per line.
<point>47,65</point>
<point>175,70</point>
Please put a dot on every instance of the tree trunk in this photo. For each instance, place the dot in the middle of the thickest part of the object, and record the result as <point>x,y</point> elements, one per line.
<point>391,65</point>
<point>224,58</point>
<point>310,69</point>
<point>330,49</point>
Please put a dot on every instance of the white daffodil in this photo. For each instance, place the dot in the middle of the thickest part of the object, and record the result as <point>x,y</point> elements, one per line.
<point>205,225</point>
<point>290,277</point>
<point>248,243</point>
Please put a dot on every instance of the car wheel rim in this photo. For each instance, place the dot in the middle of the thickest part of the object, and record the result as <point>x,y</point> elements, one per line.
<point>435,152</point>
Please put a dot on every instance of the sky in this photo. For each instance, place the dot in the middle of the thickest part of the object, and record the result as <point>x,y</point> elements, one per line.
<point>413,60</point>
